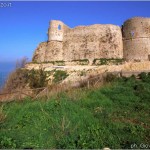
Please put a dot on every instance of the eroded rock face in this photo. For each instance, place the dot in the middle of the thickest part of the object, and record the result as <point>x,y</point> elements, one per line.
<point>82,42</point>
<point>39,54</point>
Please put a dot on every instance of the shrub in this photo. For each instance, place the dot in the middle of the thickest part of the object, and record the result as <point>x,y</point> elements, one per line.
<point>83,73</point>
<point>110,77</point>
<point>60,75</point>
<point>106,61</point>
<point>143,76</point>
<point>37,78</point>
<point>81,61</point>
<point>16,79</point>
<point>60,63</point>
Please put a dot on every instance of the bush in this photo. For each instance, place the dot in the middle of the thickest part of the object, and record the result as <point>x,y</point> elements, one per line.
<point>16,79</point>
<point>81,61</point>
<point>60,75</point>
<point>37,78</point>
<point>143,76</point>
<point>20,78</point>
<point>110,77</point>
<point>106,61</point>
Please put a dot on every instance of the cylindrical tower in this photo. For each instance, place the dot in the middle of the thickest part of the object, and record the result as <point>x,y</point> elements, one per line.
<point>136,39</point>
<point>56,30</point>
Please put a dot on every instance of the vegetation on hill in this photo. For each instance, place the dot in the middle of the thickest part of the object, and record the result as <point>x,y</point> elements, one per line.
<point>115,116</point>
<point>21,77</point>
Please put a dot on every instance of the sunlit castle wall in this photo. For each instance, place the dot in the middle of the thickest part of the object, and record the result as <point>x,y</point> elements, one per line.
<point>136,39</point>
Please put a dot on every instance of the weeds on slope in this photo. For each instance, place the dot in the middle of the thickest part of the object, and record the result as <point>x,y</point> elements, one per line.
<point>115,116</point>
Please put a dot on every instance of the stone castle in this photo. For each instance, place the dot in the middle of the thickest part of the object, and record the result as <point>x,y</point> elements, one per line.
<point>131,42</point>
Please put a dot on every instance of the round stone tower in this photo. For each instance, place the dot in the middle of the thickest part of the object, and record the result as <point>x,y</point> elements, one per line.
<point>136,39</point>
<point>56,30</point>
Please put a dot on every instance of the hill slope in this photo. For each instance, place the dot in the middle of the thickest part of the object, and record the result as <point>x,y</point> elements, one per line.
<point>115,116</point>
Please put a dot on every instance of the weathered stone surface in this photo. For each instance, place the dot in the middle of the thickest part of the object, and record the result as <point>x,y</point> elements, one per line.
<point>136,39</point>
<point>131,42</point>
<point>82,42</point>
<point>39,54</point>
<point>54,51</point>
<point>90,42</point>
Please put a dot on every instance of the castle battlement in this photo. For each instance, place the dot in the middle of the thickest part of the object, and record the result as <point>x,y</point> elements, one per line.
<point>131,41</point>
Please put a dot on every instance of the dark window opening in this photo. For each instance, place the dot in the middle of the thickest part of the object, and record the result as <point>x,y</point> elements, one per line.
<point>59,27</point>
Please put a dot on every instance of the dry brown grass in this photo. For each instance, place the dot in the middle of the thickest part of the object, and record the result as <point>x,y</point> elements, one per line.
<point>2,115</point>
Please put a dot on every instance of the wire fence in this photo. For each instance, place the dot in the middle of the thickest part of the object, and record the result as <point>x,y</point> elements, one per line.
<point>91,81</point>
<point>50,90</point>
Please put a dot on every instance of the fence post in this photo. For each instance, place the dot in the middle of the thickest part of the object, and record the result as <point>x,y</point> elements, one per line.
<point>88,84</point>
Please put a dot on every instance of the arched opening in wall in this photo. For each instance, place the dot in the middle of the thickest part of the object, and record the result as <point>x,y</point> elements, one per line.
<point>59,27</point>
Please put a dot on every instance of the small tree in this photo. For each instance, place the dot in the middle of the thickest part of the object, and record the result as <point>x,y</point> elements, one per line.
<point>21,63</point>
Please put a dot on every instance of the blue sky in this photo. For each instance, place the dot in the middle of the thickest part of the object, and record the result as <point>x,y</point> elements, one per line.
<point>24,25</point>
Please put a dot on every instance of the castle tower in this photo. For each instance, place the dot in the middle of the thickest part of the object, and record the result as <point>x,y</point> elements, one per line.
<point>56,31</point>
<point>136,39</point>
<point>54,49</point>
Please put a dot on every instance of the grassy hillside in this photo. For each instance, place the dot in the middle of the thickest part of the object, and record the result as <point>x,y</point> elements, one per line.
<point>115,116</point>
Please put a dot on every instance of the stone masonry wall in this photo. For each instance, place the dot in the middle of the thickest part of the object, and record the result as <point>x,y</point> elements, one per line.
<point>95,41</point>
<point>131,42</point>
<point>136,39</point>
<point>54,51</point>
<point>83,42</point>
<point>56,30</point>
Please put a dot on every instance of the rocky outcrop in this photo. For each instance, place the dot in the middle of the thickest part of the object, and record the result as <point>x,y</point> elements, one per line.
<point>39,54</point>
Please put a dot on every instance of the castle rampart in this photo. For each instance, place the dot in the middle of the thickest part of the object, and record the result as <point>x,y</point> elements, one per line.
<point>131,42</point>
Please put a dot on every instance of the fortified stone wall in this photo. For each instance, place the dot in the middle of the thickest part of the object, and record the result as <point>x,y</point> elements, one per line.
<point>136,39</point>
<point>95,41</point>
<point>54,51</point>
<point>82,42</point>
<point>131,42</point>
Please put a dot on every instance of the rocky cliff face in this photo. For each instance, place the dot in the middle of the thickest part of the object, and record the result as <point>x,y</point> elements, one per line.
<point>39,54</point>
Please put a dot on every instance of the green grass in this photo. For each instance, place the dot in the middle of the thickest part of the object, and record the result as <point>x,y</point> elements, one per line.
<point>115,116</point>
